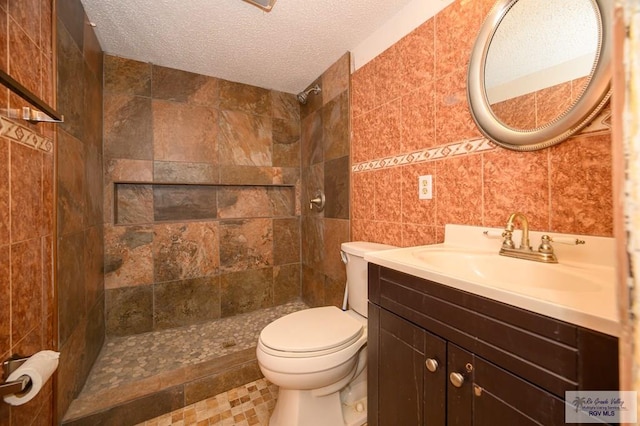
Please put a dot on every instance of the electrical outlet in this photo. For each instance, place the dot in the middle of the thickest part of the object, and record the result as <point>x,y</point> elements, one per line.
<point>425,187</point>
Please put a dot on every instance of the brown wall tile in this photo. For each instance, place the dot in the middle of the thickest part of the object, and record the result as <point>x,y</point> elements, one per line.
<point>286,241</point>
<point>134,204</point>
<point>70,94</point>
<point>5,309</point>
<point>126,76</point>
<point>26,298</point>
<point>185,250</point>
<point>335,119</point>
<point>335,80</point>
<point>183,132</point>
<point>186,302</point>
<point>246,291</point>
<point>128,256</point>
<point>336,232</point>
<point>336,188</point>
<point>5,207</point>
<point>181,86</point>
<point>286,283</point>
<point>180,202</point>
<point>244,139</point>
<point>129,310</point>
<point>128,131</point>
<point>26,193</point>
<point>248,99</point>
<point>71,181</point>
<point>71,283</point>
<point>246,244</point>
<point>184,172</point>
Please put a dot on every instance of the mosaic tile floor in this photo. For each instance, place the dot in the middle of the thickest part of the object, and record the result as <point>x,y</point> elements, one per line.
<point>246,405</point>
<point>131,358</point>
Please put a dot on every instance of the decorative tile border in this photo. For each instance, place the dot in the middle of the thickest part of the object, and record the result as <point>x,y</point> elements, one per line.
<point>435,153</point>
<point>24,135</point>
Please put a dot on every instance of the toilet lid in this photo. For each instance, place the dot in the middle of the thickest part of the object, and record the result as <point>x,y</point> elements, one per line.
<point>312,330</point>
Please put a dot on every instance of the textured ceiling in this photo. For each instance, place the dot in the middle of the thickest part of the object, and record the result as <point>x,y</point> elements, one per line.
<point>285,49</point>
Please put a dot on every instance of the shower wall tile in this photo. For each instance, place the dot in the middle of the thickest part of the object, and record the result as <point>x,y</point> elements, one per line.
<point>505,193</point>
<point>335,119</point>
<point>185,250</point>
<point>183,132</point>
<point>286,283</point>
<point>91,50</point>
<point>285,106</point>
<point>126,76</point>
<point>336,184</point>
<point>335,80</point>
<point>313,292</point>
<point>313,250</point>
<point>246,291</point>
<point>580,208</point>
<point>314,101</point>
<point>128,127</point>
<point>71,13</point>
<point>129,310</point>
<point>282,201</point>
<point>313,181</point>
<point>334,291</point>
<point>182,86</point>
<point>168,171</point>
<point>128,256</point>
<point>249,175</point>
<point>245,139</point>
<point>311,139</point>
<point>286,142</point>
<point>239,202</point>
<point>245,98</point>
<point>183,202</point>
<point>124,171</point>
<point>286,241</point>
<point>134,204</point>
<point>92,110</point>
<point>93,266</point>
<point>71,181</point>
<point>71,283</point>
<point>180,303</point>
<point>336,232</point>
<point>70,94</point>
<point>93,186</point>
<point>246,244</point>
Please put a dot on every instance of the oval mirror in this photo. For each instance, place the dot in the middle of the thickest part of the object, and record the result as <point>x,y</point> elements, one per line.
<point>540,70</point>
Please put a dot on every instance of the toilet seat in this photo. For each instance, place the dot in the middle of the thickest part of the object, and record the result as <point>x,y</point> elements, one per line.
<point>311,332</point>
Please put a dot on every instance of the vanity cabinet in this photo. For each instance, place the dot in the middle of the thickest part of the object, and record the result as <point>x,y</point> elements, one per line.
<point>441,356</point>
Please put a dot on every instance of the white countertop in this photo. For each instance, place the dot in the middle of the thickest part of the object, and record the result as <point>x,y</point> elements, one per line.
<point>589,300</point>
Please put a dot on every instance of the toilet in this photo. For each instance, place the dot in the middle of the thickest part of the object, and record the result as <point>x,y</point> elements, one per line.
<point>317,356</point>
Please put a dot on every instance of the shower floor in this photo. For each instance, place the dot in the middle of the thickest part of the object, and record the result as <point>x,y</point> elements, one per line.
<point>133,367</point>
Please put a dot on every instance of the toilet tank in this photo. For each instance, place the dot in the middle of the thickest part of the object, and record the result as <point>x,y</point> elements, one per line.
<point>357,285</point>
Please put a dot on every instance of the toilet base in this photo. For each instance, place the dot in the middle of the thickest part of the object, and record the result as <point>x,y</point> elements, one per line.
<point>304,407</point>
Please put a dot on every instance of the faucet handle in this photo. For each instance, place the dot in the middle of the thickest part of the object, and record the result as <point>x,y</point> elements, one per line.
<point>545,245</point>
<point>568,240</point>
<point>508,241</point>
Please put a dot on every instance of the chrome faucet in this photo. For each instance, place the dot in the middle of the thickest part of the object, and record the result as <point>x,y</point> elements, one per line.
<point>524,251</point>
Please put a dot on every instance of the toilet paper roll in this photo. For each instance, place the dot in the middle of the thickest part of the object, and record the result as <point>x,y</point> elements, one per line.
<point>39,368</point>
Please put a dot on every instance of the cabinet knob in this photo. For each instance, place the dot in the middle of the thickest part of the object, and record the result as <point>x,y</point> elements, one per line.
<point>432,365</point>
<point>456,379</point>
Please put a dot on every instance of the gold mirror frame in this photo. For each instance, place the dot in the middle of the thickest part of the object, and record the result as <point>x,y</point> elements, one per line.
<point>586,107</point>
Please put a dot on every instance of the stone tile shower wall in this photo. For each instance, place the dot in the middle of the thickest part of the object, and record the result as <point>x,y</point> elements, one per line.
<point>27,318</point>
<point>325,167</point>
<point>410,118</point>
<point>80,250</point>
<point>202,183</point>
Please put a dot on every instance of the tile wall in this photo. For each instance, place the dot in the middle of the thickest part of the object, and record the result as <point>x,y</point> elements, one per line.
<point>410,118</point>
<point>201,196</point>
<point>325,167</point>
<point>26,200</point>
<point>80,251</point>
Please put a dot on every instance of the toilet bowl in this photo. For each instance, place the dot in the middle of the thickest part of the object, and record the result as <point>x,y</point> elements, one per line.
<point>317,356</point>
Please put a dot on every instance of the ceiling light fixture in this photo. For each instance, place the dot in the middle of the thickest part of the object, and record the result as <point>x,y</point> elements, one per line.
<point>262,4</point>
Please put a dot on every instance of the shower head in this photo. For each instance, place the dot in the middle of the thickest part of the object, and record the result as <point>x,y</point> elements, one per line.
<point>302,96</point>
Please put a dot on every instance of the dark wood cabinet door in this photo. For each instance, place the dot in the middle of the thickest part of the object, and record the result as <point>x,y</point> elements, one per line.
<point>501,398</point>
<point>400,372</point>
<point>459,386</point>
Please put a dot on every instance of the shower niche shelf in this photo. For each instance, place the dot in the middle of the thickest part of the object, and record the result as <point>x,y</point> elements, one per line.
<point>142,203</point>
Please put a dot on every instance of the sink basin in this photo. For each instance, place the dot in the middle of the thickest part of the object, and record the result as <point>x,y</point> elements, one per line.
<point>508,273</point>
<point>580,289</point>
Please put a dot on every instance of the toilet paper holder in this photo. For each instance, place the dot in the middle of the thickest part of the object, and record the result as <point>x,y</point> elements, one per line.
<point>16,386</point>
